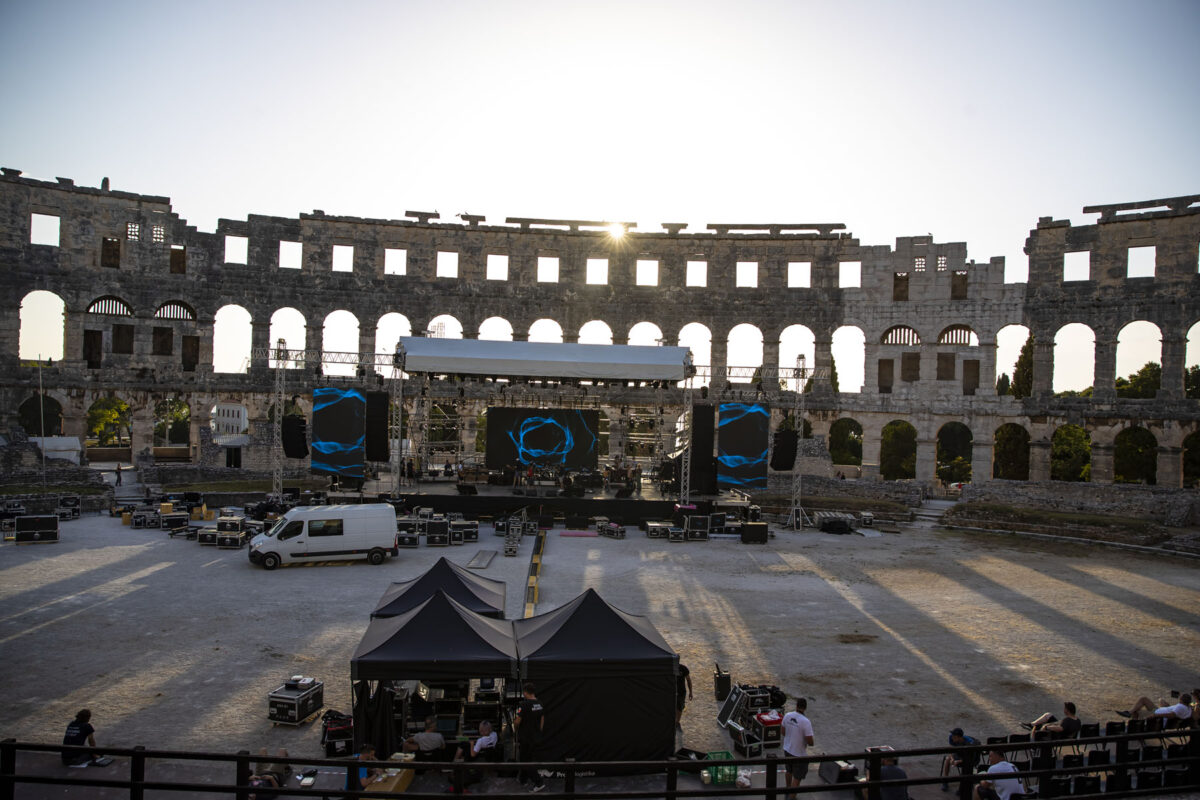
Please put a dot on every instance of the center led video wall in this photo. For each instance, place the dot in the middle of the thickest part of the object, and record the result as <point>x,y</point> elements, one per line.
<point>542,437</point>
<point>742,441</point>
<point>339,432</point>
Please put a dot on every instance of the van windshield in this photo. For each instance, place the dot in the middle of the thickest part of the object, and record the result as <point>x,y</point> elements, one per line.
<point>277,527</point>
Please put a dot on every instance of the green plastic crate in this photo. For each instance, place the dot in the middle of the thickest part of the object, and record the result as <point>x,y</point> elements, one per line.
<point>724,774</point>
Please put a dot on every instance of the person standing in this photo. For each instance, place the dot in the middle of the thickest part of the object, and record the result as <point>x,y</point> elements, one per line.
<point>530,722</point>
<point>797,738</point>
<point>79,732</point>
<point>683,693</point>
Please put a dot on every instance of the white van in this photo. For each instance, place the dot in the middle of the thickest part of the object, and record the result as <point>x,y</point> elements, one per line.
<point>328,533</point>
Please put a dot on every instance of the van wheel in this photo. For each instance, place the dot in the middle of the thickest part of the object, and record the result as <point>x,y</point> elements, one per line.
<point>375,557</point>
<point>270,561</point>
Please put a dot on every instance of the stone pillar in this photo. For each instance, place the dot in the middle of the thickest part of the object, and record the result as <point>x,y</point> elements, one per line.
<point>1104,381</point>
<point>1170,467</point>
<point>260,339</point>
<point>770,365</point>
<point>982,456</point>
<point>73,339</point>
<point>1174,352</point>
<point>366,347</point>
<point>314,335</point>
<point>987,369</point>
<point>1039,459</point>
<point>871,446</point>
<point>142,420</point>
<point>824,357</point>
<point>204,329</point>
<point>719,361</point>
<point>1102,463</point>
<point>926,467</point>
<point>1043,366</point>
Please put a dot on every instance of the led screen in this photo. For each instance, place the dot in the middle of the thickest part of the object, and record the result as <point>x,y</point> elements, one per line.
<point>742,430</point>
<point>339,430</point>
<point>542,437</point>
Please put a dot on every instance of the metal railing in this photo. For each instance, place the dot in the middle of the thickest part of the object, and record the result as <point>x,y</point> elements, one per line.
<point>582,780</point>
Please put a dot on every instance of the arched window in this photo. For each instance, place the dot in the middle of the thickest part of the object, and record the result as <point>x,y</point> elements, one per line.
<point>900,334</point>
<point>110,305</point>
<point>174,309</point>
<point>958,334</point>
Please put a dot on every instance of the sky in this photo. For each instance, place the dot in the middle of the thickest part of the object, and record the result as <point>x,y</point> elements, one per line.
<point>964,120</point>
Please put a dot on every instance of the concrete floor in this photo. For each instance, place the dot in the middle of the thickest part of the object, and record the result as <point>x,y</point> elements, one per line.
<point>894,640</point>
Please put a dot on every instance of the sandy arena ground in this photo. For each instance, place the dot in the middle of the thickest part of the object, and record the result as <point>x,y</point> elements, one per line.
<point>894,640</point>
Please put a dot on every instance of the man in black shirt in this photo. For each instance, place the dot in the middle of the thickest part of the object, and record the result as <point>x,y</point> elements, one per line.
<point>79,732</point>
<point>1066,728</point>
<point>683,692</point>
<point>530,721</point>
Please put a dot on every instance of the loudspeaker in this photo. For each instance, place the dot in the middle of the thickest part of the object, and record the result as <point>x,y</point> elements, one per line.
<point>754,533</point>
<point>295,436</point>
<point>704,474</point>
<point>783,455</point>
<point>377,426</point>
<point>466,488</point>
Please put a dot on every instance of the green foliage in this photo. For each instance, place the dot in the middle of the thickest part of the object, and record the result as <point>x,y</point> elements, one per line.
<point>845,442</point>
<point>171,422</point>
<point>1191,382</point>
<point>1070,454</point>
<point>789,424</point>
<point>1142,384</point>
<point>1003,384</point>
<point>898,451</point>
<point>954,453</point>
<point>956,471</point>
<point>1135,457</point>
<point>108,421</point>
<point>1022,379</point>
<point>1011,453</point>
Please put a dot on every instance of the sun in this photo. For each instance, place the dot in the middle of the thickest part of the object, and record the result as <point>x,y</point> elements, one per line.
<point>616,230</point>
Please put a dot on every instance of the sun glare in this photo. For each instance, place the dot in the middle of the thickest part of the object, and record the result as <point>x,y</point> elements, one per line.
<point>616,230</point>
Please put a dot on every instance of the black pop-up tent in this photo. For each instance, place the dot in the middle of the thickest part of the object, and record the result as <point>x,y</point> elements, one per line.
<point>481,595</point>
<point>606,679</point>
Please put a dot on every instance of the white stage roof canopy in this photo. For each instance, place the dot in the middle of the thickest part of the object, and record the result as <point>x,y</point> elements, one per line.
<point>544,359</point>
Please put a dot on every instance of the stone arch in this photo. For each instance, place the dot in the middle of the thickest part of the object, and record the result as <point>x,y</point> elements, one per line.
<point>1077,373</point>
<point>38,337</point>
<point>846,442</point>
<point>898,451</point>
<point>545,330</point>
<point>339,334</point>
<point>746,341</point>
<point>43,418</point>
<point>901,334</point>
<point>496,329</point>
<point>232,330</point>
<point>794,341</point>
<point>958,334</point>
<point>697,337</point>
<point>445,326</point>
<point>1192,363</point>
<point>289,324</point>
<point>849,352</point>
<point>1135,456</point>
<point>1010,453</point>
<point>226,418</point>
<point>953,450</point>
<point>645,334</point>
<point>1139,360</point>
<point>1071,454</point>
<point>1009,341</point>
<point>1191,460</point>
<point>388,330</point>
<point>595,331</point>
<point>172,423</point>
<point>110,421</point>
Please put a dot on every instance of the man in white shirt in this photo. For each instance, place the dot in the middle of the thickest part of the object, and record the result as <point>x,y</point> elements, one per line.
<point>1003,787</point>
<point>797,738</point>
<point>1180,710</point>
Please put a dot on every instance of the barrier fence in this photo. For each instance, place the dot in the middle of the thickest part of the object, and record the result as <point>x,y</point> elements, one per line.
<point>1139,764</point>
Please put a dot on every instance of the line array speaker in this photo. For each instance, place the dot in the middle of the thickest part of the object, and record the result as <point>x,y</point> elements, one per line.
<point>377,426</point>
<point>295,436</point>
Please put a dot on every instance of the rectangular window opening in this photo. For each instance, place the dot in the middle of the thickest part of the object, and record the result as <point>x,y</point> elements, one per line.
<point>547,269</point>
<point>343,258</point>
<point>110,252</point>
<point>93,348</point>
<point>886,376</point>
<point>45,229</point>
<point>747,274</point>
<point>158,234</point>
<point>900,286</point>
<point>133,230</point>
<point>237,249</point>
<point>945,366</point>
<point>395,261</point>
<point>919,264</point>
<point>697,273</point>
<point>122,339</point>
<point>647,272</point>
<point>958,285</point>
<point>799,274</point>
<point>597,271</point>
<point>849,274</point>
<point>497,267</point>
<point>941,263</point>
<point>178,259</point>
<point>1141,262</point>
<point>910,367</point>
<point>190,352</point>
<point>291,255</point>
<point>447,264</point>
<point>970,376</point>
<point>1077,266</point>
<point>163,341</point>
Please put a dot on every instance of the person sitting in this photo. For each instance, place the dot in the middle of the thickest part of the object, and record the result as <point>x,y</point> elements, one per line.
<point>361,778</point>
<point>1066,728</point>
<point>428,744</point>
<point>963,761</point>
<point>1180,710</point>
<point>891,771</point>
<point>269,775</point>
<point>484,747</point>
<point>79,732</point>
<point>1001,787</point>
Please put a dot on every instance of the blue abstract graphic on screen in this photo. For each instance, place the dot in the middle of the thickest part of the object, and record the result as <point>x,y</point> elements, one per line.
<point>339,431</point>
<point>541,437</point>
<point>742,443</point>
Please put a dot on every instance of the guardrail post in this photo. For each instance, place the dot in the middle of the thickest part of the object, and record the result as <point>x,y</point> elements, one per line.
<point>772,775</point>
<point>8,768</point>
<point>569,778</point>
<point>672,781</point>
<point>874,769</point>
<point>137,773</point>
<point>241,775</point>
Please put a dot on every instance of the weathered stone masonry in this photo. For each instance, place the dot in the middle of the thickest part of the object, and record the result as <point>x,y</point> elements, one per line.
<point>936,376</point>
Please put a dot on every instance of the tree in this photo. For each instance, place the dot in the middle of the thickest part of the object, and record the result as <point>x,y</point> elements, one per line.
<point>898,451</point>
<point>1022,379</point>
<point>1142,384</point>
<point>1011,453</point>
<point>1003,384</point>
<point>845,442</point>
<point>1070,454</point>
<point>953,453</point>
<point>106,420</point>
<point>1135,457</point>
<point>956,471</point>
<point>1191,382</point>
<point>833,378</point>
<point>788,423</point>
<point>171,422</point>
